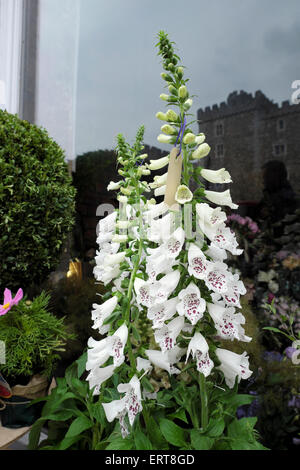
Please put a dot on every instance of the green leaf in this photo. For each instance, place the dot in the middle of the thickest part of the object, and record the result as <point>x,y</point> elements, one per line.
<point>155,434</point>
<point>215,427</point>
<point>147,384</point>
<point>242,428</point>
<point>80,424</point>
<point>241,444</point>
<point>200,442</point>
<point>172,433</point>
<point>271,328</point>
<point>68,441</point>
<point>141,441</point>
<point>81,363</point>
<point>35,433</point>
<point>120,444</point>
<point>180,414</point>
<point>135,333</point>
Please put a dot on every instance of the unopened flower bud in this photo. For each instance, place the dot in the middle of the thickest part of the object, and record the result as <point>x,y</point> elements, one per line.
<point>172,90</point>
<point>161,116</point>
<point>167,129</point>
<point>200,138</point>
<point>122,199</point>
<point>179,72</point>
<point>189,138</point>
<point>187,104</point>
<point>182,92</point>
<point>127,191</point>
<point>164,139</point>
<point>121,172</point>
<point>164,97</point>
<point>171,116</point>
<point>202,151</point>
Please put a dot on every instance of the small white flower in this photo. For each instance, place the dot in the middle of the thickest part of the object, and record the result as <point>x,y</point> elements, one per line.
<point>108,223</point>
<point>216,176</point>
<point>183,194</point>
<point>227,322</point>
<point>210,219</point>
<point>130,404</point>
<point>159,181</point>
<point>113,186</point>
<point>216,253</point>
<point>165,360</point>
<point>164,139</point>
<point>103,311</point>
<point>192,306</point>
<point>160,191</point>
<point>224,238</point>
<point>152,293</point>
<point>217,278</point>
<point>233,365</point>
<point>166,336</point>
<point>111,346</point>
<point>113,259</point>
<point>119,238</point>
<point>143,364</point>
<point>199,266</point>
<point>159,163</point>
<point>201,151</point>
<point>221,198</point>
<point>168,129</point>
<point>189,138</point>
<point>97,376</point>
<point>199,349</point>
<point>160,313</point>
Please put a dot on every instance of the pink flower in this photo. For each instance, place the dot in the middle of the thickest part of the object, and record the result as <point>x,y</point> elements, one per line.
<point>9,302</point>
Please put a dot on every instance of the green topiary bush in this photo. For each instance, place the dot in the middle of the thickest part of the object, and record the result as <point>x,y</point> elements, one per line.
<point>36,202</point>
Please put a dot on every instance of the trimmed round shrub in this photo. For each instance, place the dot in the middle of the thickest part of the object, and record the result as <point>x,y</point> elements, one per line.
<point>37,203</point>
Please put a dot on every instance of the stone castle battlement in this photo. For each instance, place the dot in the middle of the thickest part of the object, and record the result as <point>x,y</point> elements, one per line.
<point>240,102</point>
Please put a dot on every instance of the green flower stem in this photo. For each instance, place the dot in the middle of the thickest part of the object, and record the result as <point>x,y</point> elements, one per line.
<point>129,296</point>
<point>204,401</point>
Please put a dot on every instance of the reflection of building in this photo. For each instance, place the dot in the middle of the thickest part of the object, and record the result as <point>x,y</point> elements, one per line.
<point>247,131</point>
<point>38,64</point>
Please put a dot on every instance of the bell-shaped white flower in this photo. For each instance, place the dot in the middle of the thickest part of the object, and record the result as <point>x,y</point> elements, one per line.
<point>224,238</point>
<point>166,336</point>
<point>159,163</point>
<point>161,229</point>
<point>151,293</point>
<point>210,219</point>
<point>216,253</point>
<point>173,246</point>
<point>183,194</point>
<point>168,129</point>
<point>113,259</point>
<point>221,198</point>
<point>227,322</point>
<point>130,404</point>
<point>235,288</point>
<point>216,176</point>
<point>113,186</point>
<point>217,278</point>
<point>143,364</point>
<point>159,181</point>
<point>119,238</point>
<point>201,151</point>
<point>103,311</point>
<point>108,223</point>
<point>111,346</point>
<point>199,266</point>
<point>166,360</point>
<point>97,376</point>
<point>199,349</point>
<point>192,306</point>
<point>160,313</point>
<point>160,191</point>
<point>233,366</point>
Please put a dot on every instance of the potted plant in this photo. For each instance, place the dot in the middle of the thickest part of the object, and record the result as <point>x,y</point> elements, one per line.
<point>33,338</point>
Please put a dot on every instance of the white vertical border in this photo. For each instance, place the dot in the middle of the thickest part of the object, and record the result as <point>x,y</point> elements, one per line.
<point>11,20</point>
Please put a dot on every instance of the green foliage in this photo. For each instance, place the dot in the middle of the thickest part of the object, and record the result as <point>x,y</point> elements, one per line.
<point>33,338</point>
<point>77,420</point>
<point>73,300</point>
<point>36,202</point>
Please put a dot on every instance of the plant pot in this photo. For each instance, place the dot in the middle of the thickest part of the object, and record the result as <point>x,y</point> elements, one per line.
<point>17,411</point>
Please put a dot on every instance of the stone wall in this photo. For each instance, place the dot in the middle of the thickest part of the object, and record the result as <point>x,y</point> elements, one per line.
<point>252,128</point>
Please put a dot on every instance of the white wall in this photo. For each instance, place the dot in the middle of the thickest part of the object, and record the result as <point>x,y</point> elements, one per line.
<point>57,53</point>
<point>10,53</point>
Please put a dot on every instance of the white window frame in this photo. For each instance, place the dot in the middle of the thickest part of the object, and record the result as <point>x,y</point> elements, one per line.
<point>11,21</point>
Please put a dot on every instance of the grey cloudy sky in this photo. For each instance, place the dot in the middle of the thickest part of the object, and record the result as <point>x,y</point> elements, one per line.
<point>226,45</point>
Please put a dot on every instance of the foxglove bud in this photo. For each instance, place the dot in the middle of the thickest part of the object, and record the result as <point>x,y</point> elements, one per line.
<point>171,116</point>
<point>189,138</point>
<point>164,97</point>
<point>161,116</point>
<point>202,151</point>
<point>167,129</point>
<point>172,90</point>
<point>164,139</point>
<point>187,104</point>
<point>182,92</point>
<point>179,72</point>
<point>200,138</point>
